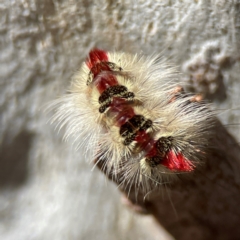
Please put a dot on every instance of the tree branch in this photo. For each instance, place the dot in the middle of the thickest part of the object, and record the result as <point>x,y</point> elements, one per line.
<point>202,205</point>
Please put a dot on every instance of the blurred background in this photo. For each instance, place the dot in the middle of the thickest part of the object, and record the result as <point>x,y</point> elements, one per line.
<point>47,189</point>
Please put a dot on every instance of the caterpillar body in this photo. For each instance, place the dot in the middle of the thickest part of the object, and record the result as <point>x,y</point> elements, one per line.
<point>129,112</point>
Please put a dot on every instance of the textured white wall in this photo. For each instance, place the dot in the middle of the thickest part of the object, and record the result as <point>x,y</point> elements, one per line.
<point>47,190</point>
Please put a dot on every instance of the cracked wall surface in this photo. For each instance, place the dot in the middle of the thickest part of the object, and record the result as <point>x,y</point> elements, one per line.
<point>47,189</point>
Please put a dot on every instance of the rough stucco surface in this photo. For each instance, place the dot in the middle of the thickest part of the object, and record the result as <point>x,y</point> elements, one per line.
<point>47,190</point>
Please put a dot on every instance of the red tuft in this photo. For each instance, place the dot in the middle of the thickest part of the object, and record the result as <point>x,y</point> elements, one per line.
<point>177,162</point>
<point>96,56</point>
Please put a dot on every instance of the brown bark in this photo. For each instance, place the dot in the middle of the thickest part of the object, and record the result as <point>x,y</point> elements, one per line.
<point>203,205</point>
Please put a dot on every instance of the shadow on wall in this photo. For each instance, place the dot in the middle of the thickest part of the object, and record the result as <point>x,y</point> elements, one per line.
<point>14,160</point>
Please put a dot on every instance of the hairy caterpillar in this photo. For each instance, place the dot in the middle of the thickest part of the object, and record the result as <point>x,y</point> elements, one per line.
<point>129,112</point>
